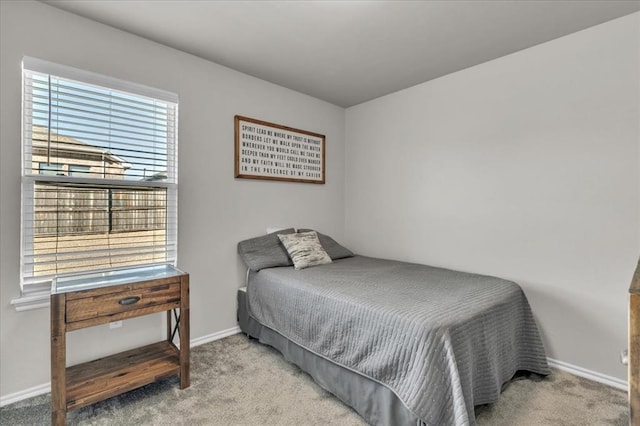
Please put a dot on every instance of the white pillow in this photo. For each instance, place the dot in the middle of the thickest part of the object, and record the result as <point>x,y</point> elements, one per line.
<point>304,249</point>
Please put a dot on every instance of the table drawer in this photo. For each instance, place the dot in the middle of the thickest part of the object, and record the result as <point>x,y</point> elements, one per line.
<point>124,301</point>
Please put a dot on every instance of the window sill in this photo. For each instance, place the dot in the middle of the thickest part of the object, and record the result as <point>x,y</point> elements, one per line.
<point>32,300</point>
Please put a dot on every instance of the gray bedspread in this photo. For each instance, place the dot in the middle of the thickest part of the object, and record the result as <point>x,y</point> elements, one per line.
<point>442,341</point>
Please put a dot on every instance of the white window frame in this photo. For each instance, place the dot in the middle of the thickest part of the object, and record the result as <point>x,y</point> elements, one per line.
<point>35,295</point>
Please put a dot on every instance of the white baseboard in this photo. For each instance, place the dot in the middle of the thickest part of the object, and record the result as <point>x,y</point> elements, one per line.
<point>46,387</point>
<point>588,374</point>
<point>25,394</point>
<point>215,336</point>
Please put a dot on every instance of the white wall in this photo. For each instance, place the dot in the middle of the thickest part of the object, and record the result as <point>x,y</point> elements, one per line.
<point>215,210</point>
<point>525,167</point>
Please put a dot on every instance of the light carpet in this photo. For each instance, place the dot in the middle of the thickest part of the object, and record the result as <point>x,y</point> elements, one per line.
<point>237,381</point>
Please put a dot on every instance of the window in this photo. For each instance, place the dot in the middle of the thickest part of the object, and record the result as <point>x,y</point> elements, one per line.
<point>99,173</point>
<point>50,169</point>
<point>75,170</point>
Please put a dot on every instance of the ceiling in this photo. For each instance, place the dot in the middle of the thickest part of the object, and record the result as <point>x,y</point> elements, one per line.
<point>349,52</point>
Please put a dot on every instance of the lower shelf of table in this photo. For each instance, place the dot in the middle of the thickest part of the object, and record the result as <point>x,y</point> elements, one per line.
<point>110,376</point>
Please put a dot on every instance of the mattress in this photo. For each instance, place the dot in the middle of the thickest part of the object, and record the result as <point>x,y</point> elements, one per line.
<point>439,341</point>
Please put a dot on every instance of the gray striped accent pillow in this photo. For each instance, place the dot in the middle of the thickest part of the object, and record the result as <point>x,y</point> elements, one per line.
<point>304,249</point>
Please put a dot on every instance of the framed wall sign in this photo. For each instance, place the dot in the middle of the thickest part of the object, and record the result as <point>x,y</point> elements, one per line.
<point>274,152</point>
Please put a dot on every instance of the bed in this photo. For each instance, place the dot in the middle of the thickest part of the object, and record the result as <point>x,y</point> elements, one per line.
<point>401,343</point>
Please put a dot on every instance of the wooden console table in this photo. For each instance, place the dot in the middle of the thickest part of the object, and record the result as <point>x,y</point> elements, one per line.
<point>79,301</point>
<point>634,348</point>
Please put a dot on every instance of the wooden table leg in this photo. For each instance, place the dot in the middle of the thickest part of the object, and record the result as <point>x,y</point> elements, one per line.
<point>184,333</point>
<point>58,361</point>
<point>169,328</point>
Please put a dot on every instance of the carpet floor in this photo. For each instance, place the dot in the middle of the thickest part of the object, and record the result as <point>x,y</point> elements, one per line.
<point>237,381</point>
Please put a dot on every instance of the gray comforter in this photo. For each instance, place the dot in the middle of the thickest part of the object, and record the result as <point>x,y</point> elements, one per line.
<point>442,341</point>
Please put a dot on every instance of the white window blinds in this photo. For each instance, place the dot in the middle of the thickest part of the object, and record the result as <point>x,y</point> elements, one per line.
<point>99,188</point>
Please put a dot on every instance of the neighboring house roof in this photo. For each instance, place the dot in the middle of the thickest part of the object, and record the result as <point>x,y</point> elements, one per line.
<point>65,143</point>
<point>157,176</point>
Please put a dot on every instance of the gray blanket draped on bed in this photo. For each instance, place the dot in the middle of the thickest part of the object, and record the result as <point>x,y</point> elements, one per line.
<point>442,341</point>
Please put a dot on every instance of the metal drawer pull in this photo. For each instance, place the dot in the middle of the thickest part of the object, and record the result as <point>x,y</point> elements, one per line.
<point>129,300</point>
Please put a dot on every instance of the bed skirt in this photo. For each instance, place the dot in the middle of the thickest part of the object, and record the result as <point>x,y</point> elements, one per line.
<point>375,402</point>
